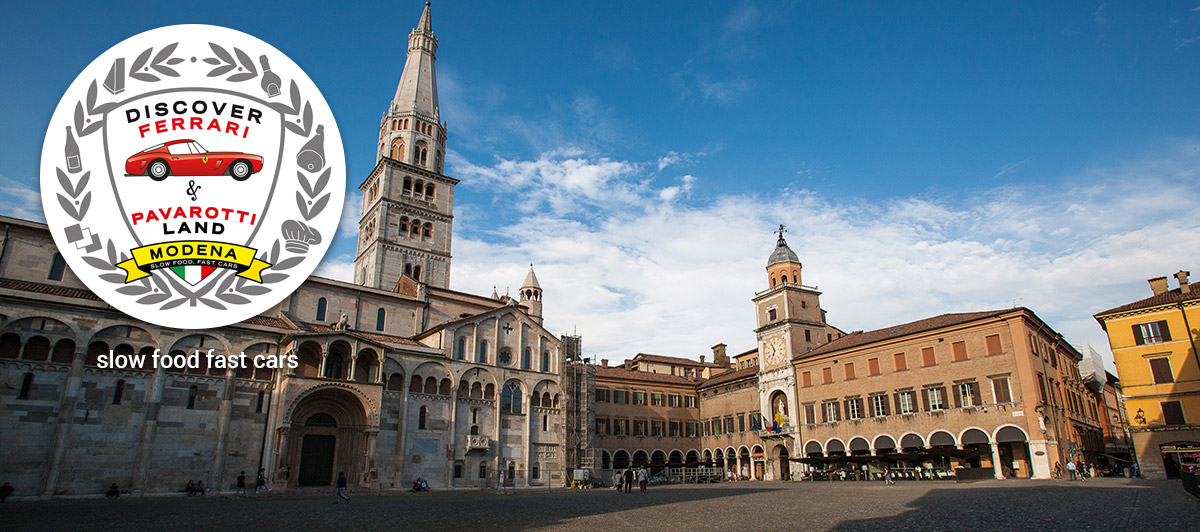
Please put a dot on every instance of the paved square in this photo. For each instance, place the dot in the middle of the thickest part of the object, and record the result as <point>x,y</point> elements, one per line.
<point>1100,504</point>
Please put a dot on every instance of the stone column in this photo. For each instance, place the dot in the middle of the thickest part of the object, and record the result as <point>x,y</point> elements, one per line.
<point>149,430</point>
<point>224,414</point>
<point>997,467</point>
<point>452,432</point>
<point>281,455</point>
<point>353,362</point>
<point>64,420</point>
<point>401,431</point>
<point>371,481</point>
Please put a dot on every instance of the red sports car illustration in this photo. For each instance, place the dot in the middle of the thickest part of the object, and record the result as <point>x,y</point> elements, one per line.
<point>188,157</point>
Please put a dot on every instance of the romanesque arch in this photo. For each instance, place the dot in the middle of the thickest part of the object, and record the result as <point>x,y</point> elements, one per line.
<point>326,430</point>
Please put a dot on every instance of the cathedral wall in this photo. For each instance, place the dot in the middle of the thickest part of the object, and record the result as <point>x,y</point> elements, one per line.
<point>27,426</point>
<point>28,255</point>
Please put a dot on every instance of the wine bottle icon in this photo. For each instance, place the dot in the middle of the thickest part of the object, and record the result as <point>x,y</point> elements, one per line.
<point>312,155</point>
<point>270,80</point>
<point>72,150</point>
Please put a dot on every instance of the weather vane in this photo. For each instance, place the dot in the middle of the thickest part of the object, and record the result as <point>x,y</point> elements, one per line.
<point>781,231</point>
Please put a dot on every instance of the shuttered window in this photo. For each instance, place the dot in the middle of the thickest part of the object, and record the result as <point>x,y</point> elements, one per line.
<point>1172,413</point>
<point>873,366</point>
<point>901,363</point>
<point>960,350</point>
<point>927,357</point>
<point>1151,333</point>
<point>993,344</point>
<point>1161,367</point>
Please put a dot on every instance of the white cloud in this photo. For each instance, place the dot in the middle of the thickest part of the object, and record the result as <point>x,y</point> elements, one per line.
<point>340,268</point>
<point>351,212</point>
<point>642,275</point>
<point>19,200</point>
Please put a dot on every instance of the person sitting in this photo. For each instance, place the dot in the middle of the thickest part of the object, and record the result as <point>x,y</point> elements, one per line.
<point>190,489</point>
<point>200,487</point>
<point>5,491</point>
<point>113,491</point>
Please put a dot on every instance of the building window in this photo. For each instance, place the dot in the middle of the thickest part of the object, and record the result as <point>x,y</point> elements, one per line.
<point>1041,388</point>
<point>830,409</point>
<point>639,427</point>
<point>601,426</point>
<point>545,422</point>
<point>673,429</point>
<point>807,335</point>
<point>422,417</point>
<point>460,351</point>
<point>619,397</point>
<point>906,402</point>
<point>601,395</point>
<point>1161,368</point>
<point>849,370</point>
<point>873,366</point>
<point>927,357</point>
<point>546,361</point>
<point>993,344</point>
<point>810,414</point>
<point>691,429</point>
<point>57,268</point>
<point>118,392</point>
<point>380,318</point>
<point>936,398</point>
<point>656,428</point>
<point>510,399</point>
<point>26,386</point>
<point>639,398</point>
<point>482,469</point>
<point>968,394</point>
<point>535,472</point>
<point>321,303</point>
<point>191,401</point>
<point>1173,413</point>
<point>827,375</point>
<point>771,314</point>
<point>458,469</point>
<point>854,408</point>
<point>673,401</point>
<point>960,350</point>
<point>656,399</point>
<point>481,352</point>
<point>1001,391</point>
<point>806,378</point>
<point>1151,333</point>
<point>879,405</point>
<point>258,408</point>
<point>689,401</point>
<point>899,360</point>
<point>741,423</point>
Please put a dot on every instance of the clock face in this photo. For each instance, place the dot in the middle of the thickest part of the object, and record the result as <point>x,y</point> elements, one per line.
<point>776,349</point>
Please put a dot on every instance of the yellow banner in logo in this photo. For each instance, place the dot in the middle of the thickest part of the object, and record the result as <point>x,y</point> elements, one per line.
<point>193,253</point>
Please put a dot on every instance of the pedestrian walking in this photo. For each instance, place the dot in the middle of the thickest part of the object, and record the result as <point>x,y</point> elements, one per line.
<point>643,479</point>
<point>1082,470</point>
<point>618,479</point>
<point>260,483</point>
<point>1057,469</point>
<point>1071,469</point>
<point>629,480</point>
<point>341,488</point>
<point>5,491</point>
<point>887,477</point>
<point>241,485</point>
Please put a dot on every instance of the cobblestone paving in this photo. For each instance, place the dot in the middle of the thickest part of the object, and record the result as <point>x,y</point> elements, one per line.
<point>1099,504</point>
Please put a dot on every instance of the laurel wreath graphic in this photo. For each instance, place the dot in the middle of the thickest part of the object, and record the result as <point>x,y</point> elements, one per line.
<point>225,288</point>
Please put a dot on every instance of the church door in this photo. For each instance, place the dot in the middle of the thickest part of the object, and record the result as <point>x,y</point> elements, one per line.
<point>316,460</point>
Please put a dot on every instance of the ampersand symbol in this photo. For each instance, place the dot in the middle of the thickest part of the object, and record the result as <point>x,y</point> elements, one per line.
<point>192,189</point>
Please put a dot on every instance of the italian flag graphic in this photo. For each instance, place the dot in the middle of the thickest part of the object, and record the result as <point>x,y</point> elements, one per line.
<point>193,274</point>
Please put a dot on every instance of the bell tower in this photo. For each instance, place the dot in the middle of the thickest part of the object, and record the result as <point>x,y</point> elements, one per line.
<point>531,295</point>
<point>407,202</point>
<point>790,319</point>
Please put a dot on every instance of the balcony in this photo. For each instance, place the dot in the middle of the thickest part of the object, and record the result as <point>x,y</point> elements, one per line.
<point>473,442</point>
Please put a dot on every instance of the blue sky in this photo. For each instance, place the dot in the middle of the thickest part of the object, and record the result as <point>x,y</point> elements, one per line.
<point>939,157</point>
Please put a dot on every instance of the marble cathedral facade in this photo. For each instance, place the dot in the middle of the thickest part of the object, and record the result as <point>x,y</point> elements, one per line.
<point>399,376</point>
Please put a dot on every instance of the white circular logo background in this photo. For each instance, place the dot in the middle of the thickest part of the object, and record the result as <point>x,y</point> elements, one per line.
<point>193,176</point>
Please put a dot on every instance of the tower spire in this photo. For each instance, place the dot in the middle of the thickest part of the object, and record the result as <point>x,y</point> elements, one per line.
<point>426,23</point>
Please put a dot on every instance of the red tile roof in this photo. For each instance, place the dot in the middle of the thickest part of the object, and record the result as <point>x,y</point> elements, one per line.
<point>645,376</point>
<point>49,289</point>
<point>858,338</point>
<point>1170,297</point>
<point>674,360</point>
<point>266,321</point>
<point>730,376</point>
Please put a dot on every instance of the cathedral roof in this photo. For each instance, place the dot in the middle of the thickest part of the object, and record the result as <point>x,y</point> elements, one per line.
<point>531,280</point>
<point>782,253</point>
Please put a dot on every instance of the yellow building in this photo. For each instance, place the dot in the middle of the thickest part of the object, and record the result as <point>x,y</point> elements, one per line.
<point>1154,346</point>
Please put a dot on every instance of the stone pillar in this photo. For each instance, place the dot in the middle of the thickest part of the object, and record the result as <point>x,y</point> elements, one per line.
<point>64,420</point>
<point>145,446</point>
<point>224,414</point>
<point>353,362</point>
<point>997,467</point>
<point>453,432</point>
<point>281,455</point>
<point>401,431</point>
<point>1040,460</point>
<point>371,476</point>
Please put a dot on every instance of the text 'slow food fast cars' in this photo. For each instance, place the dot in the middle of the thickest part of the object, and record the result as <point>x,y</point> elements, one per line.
<point>188,157</point>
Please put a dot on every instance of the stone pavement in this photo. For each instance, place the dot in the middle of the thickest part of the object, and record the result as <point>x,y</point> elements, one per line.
<point>1098,504</point>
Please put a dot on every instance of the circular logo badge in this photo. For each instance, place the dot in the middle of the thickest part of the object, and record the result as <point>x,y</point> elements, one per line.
<point>193,176</point>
